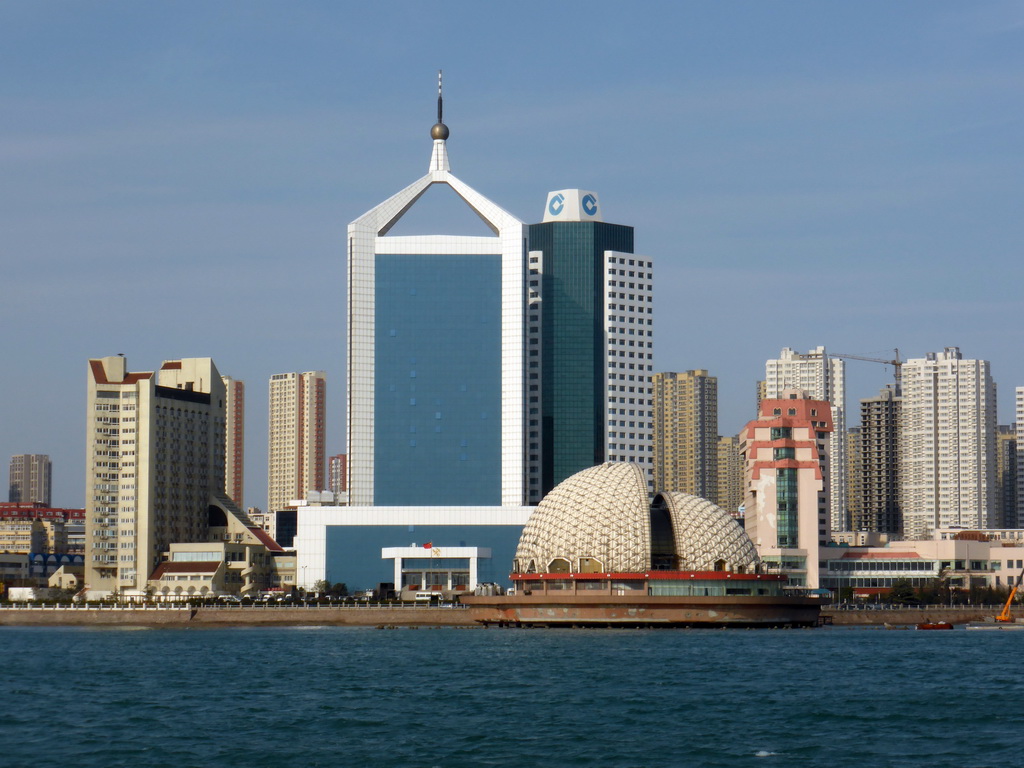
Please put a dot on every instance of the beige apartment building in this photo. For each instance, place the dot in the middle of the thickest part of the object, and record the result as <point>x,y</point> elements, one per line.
<point>686,433</point>
<point>1019,423</point>
<point>155,464</point>
<point>787,493</point>
<point>296,456</point>
<point>234,439</point>
<point>730,475</point>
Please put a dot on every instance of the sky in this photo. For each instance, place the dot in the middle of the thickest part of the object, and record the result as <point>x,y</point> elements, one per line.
<point>176,180</point>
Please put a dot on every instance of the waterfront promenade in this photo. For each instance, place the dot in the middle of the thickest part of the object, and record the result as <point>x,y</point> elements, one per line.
<point>384,614</point>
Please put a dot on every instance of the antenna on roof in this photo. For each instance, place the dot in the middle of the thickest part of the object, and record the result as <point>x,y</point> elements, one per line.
<point>440,130</point>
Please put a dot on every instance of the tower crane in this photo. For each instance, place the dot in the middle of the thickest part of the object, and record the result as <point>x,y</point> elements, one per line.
<point>896,363</point>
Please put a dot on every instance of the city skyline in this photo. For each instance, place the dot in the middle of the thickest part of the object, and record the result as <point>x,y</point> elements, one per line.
<point>859,163</point>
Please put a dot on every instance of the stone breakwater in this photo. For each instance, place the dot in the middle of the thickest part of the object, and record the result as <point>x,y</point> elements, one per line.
<point>412,616</point>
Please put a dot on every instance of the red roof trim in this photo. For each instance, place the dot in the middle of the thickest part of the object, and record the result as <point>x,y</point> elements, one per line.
<point>266,540</point>
<point>652,576</point>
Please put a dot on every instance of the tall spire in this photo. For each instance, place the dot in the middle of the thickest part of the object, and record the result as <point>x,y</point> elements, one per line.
<point>440,131</point>
<point>440,100</point>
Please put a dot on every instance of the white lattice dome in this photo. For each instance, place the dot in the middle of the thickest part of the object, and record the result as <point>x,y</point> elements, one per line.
<point>600,520</point>
<point>706,536</point>
<point>600,515</point>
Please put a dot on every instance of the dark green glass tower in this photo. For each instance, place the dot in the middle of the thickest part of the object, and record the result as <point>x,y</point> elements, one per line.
<point>573,369</point>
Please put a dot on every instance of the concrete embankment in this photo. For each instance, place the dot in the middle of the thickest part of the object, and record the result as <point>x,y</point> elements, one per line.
<point>399,616</point>
<point>898,616</point>
<point>413,616</point>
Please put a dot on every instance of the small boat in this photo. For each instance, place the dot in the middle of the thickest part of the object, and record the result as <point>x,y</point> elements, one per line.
<point>934,625</point>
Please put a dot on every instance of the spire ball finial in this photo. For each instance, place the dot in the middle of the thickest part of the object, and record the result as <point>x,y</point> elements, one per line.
<point>440,131</point>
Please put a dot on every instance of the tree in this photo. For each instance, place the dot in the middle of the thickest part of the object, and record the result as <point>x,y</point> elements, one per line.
<point>321,586</point>
<point>902,593</point>
<point>339,590</point>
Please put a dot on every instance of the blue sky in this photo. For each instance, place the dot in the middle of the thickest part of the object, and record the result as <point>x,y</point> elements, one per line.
<point>176,179</point>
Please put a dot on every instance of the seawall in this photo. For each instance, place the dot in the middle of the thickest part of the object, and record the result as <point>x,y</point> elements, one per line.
<point>399,616</point>
<point>412,616</point>
<point>954,615</point>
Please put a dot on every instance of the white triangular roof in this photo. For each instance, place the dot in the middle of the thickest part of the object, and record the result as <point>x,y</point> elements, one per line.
<point>384,216</point>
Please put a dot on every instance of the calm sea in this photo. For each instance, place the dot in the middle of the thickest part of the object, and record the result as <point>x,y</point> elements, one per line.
<point>308,697</point>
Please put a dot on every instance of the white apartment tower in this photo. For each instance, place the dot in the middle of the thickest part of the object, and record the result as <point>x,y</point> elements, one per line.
<point>947,444</point>
<point>822,378</point>
<point>295,455</point>
<point>234,439</point>
<point>154,461</point>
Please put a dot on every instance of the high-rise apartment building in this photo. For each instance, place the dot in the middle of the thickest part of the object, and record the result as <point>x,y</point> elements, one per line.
<point>730,475</point>
<point>854,480</point>
<point>1005,513</point>
<point>947,444</point>
<point>154,465</point>
<point>337,474</point>
<point>234,439</point>
<point>686,433</point>
<point>822,378</point>
<point>787,463</point>
<point>590,343</point>
<point>874,486</point>
<point>436,354</point>
<point>296,456</point>
<point>1019,423</point>
<point>30,479</point>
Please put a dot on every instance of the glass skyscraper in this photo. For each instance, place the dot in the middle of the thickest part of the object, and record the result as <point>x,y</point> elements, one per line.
<point>436,355</point>
<point>590,342</point>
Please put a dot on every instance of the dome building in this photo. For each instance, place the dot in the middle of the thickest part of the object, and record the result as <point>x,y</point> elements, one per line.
<point>598,551</point>
<point>601,520</point>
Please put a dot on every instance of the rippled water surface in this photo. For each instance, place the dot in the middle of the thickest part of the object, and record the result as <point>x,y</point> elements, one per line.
<point>335,696</point>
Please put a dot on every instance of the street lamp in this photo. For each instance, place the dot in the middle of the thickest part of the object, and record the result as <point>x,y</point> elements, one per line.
<point>304,585</point>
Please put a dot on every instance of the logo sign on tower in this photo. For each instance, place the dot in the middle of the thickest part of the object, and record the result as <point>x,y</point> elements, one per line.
<point>572,205</point>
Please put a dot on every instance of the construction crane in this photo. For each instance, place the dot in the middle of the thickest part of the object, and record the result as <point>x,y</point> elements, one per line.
<point>896,363</point>
<point>1006,617</point>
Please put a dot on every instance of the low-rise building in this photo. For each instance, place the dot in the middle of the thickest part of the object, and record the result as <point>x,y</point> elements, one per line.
<point>956,559</point>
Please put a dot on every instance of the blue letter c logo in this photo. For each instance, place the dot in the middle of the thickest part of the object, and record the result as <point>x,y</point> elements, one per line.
<point>589,205</point>
<point>555,206</point>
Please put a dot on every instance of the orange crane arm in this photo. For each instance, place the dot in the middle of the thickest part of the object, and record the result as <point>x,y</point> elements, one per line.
<point>1005,615</point>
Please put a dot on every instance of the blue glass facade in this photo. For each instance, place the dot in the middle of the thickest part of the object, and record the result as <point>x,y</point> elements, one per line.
<point>437,398</point>
<point>353,551</point>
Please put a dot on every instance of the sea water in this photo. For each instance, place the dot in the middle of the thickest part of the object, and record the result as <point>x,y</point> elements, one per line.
<point>334,696</point>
